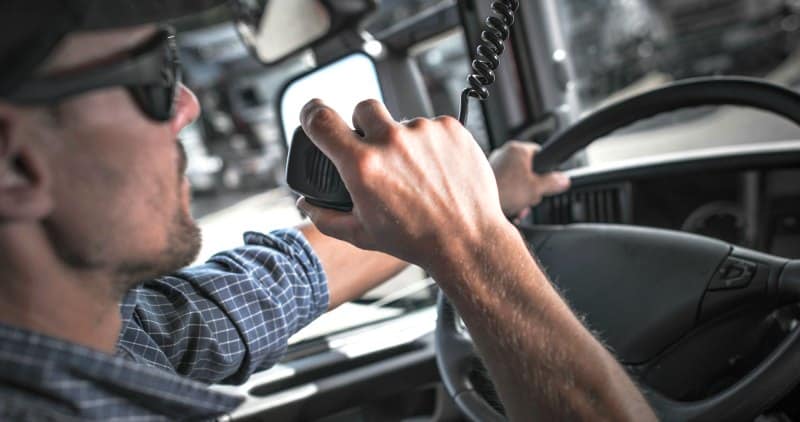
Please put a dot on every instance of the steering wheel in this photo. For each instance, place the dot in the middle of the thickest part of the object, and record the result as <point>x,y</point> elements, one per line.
<point>672,284</point>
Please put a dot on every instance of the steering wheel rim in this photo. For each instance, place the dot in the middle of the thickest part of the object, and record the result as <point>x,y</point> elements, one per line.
<point>454,351</point>
<point>695,92</point>
<point>454,354</point>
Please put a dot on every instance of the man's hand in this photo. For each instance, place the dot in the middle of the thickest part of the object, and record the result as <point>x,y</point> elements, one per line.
<point>418,188</point>
<point>424,192</point>
<point>352,271</point>
<point>519,186</point>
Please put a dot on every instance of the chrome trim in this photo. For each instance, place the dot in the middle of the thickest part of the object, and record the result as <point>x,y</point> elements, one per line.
<point>687,156</point>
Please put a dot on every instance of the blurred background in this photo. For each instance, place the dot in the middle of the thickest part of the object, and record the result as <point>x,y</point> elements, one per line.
<point>617,48</point>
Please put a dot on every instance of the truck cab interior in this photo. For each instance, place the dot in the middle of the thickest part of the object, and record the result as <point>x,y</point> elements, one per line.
<point>678,242</point>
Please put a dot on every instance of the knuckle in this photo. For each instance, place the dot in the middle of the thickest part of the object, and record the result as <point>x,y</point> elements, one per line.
<point>393,134</point>
<point>418,124</point>
<point>450,123</point>
<point>518,149</point>
<point>367,165</point>
<point>515,146</point>
<point>321,118</point>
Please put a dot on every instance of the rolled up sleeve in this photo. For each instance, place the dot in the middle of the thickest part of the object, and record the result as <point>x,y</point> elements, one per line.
<point>221,321</point>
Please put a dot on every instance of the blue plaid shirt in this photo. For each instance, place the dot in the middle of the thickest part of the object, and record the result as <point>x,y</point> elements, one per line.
<point>215,323</point>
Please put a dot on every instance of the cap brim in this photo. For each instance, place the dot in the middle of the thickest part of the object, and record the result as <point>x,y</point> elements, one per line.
<point>105,14</point>
<point>30,33</point>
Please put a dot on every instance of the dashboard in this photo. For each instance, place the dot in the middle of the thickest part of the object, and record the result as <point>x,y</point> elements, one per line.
<point>747,195</point>
<point>744,195</point>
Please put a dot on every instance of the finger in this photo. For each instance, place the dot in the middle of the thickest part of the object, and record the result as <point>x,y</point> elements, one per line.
<point>328,131</point>
<point>530,149</point>
<point>523,151</point>
<point>372,118</point>
<point>553,183</point>
<point>338,224</point>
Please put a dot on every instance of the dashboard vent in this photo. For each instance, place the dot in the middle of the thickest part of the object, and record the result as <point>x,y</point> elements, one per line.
<point>606,204</point>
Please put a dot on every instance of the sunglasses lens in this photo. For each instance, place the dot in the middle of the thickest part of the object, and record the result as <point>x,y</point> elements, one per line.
<point>158,99</point>
<point>156,102</point>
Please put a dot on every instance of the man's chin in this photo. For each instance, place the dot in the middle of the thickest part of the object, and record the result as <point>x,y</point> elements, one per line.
<point>184,244</point>
<point>182,249</point>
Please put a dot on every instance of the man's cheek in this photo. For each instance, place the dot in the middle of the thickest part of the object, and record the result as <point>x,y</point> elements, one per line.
<point>100,111</point>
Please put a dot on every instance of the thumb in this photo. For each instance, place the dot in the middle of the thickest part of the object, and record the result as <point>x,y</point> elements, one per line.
<point>338,224</point>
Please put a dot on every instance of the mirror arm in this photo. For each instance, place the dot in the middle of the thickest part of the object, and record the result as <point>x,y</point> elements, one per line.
<point>345,43</point>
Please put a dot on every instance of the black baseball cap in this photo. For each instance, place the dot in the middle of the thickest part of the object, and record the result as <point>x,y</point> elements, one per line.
<point>31,29</point>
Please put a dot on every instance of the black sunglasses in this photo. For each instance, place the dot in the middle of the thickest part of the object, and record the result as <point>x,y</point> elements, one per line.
<point>151,72</point>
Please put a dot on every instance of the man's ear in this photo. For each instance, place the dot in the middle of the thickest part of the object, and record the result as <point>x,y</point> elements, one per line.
<point>24,176</point>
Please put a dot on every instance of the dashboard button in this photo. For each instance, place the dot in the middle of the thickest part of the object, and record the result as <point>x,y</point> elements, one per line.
<point>734,273</point>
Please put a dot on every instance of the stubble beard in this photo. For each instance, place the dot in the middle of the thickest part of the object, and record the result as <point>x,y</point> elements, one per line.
<point>182,247</point>
<point>183,244</point>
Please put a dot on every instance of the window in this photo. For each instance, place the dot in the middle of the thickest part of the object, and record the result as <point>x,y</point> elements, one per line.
<point>445,64</point>
<point>239,131</point>
<point>621,47</point>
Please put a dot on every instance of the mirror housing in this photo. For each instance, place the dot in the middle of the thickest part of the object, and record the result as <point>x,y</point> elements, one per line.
<point>276,29</point>
<point>341,85</point>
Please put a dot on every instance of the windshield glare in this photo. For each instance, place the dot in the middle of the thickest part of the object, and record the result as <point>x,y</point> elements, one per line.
<point>617,47</point>
<point>622,47</point>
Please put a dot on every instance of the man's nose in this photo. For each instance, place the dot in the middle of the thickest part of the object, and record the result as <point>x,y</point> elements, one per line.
<point>187,109</point>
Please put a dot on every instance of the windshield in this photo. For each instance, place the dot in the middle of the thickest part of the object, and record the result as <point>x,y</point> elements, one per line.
<point>621,47</point>
<point>237,155</point>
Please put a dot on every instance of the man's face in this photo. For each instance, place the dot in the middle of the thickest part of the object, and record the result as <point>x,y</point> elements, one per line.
<point>121,201</point>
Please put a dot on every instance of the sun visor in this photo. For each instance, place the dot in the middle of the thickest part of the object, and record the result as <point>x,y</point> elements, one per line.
<point>107,14</point>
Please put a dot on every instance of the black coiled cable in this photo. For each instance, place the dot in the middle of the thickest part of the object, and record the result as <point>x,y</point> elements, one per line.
<point>493,38</point>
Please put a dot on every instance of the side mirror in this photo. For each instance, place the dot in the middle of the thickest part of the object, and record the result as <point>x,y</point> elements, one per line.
<point>341,85</point>
<point>277,29</point>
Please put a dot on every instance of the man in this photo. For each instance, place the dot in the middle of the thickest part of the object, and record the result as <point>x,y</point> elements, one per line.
<point>92,201</point>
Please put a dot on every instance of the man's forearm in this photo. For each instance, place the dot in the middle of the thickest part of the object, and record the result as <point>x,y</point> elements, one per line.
<point>351,271</point>
<point>544,362</point>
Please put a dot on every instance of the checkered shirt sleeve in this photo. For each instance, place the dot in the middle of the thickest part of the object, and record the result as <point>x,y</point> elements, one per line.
<point>221,321</point>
